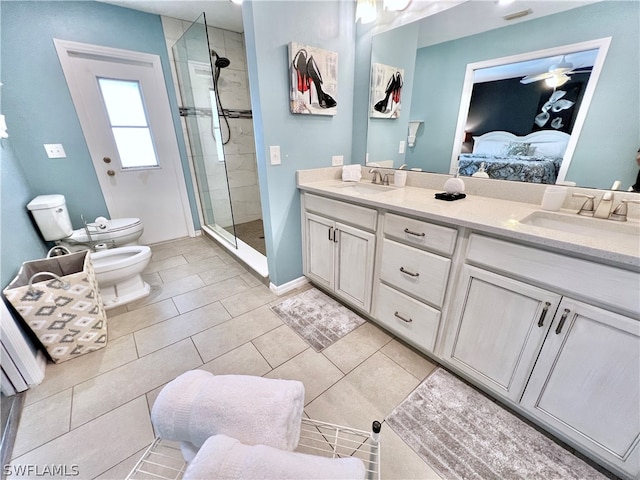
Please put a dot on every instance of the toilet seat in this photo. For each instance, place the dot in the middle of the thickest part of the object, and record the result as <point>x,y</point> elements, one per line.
<point>116,229</point>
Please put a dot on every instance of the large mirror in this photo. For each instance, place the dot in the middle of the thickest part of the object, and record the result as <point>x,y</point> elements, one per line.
<point>578,69</point>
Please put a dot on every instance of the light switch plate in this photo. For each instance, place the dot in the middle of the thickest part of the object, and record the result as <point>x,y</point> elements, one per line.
<point>274,155</point>
<point>54,150</point>
<point>401,147</point>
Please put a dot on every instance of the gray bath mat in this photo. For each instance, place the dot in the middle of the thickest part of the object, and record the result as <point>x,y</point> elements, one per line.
<point>317,318</point>
<point>462,434</point>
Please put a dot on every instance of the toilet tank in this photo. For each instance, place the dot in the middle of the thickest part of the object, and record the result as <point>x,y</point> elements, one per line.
<point>51,215</point>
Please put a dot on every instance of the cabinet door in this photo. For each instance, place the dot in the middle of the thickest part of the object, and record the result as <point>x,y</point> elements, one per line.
<point>498,330</point>
<point>355,251</point>
<point>319,249</point>
<point>586,383</point>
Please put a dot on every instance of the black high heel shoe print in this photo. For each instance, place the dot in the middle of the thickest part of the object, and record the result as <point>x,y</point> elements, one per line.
<point>299,64</point>
<point>383,105</point>
<point>324,99</point>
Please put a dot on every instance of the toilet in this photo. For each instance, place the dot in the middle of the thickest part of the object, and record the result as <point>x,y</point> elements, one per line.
<point>51,214</point>
<point>118,269</point>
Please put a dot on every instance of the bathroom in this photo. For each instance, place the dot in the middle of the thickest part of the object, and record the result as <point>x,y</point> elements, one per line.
<point>303,140</point>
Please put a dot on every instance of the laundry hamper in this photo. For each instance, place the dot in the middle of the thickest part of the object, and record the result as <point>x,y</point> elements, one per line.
<point>59,300</point>
<point>163,459</point>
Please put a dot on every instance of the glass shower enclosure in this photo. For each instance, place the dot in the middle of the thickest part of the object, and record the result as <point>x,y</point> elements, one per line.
<point>195,70</point>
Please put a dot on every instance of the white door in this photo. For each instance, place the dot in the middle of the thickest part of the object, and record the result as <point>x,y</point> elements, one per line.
<point>319,249</point>
<point>355,251</point>
<point>121,100</point>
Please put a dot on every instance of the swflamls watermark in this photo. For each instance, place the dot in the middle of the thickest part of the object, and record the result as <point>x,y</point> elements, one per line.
<point>46,470</point>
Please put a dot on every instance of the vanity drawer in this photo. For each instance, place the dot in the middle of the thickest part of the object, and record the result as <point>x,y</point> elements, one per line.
<point>344,212</point>
<point>408,318</point>
<point>420,233</point>
<point>414,271</point>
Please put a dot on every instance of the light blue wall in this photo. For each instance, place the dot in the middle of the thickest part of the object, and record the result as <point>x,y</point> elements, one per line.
<point>612,128</point>
<point>306,141</point>
<point>18,238</point>
<point>37,101</point>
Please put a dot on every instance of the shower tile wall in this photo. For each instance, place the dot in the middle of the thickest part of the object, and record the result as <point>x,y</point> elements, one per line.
<point>240,157</point>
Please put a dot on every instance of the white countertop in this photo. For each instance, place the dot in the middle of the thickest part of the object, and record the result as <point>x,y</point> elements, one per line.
<point>496,217</point>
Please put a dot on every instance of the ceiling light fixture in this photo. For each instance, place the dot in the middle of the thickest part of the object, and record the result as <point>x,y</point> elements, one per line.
<point>366,11</point>
<point>556,80</point>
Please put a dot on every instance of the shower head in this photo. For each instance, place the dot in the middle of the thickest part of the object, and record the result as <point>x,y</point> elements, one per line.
<point>221,62</point>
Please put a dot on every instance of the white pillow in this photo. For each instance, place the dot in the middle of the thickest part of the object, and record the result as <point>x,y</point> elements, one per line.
<point>548,149</point>
<point>488,147</point>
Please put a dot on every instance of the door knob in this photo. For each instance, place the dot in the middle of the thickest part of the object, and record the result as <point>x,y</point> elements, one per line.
<point>111,173</point>
<point>106,160</point>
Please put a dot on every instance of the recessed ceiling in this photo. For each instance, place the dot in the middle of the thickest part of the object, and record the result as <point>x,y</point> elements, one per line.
<point>220,13</point>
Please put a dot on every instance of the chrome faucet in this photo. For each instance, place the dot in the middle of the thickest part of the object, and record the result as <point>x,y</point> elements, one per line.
<point>604,207</point>
<point>377,176</point>
<point>587,207</point>
<point>619,214</point>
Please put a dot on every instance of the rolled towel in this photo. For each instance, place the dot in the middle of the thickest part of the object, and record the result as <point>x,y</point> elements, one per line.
<point>189,451</point>
<point>222,457</point>
<point>255,410</point>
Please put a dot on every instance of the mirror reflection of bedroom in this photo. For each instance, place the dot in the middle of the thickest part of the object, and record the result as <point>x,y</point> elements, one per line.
<point>522,115</point>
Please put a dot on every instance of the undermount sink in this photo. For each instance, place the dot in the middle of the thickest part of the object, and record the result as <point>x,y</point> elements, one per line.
<point>592,227</point>
<point>364,188</point>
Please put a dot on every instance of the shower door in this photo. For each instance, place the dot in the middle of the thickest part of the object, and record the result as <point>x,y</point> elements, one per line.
<point>192,55</point>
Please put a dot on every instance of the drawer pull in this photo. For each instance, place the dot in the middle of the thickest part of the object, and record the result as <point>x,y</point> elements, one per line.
<point>562,320</point>
<point>407,320</point>
<point>407,272</point>
<point>406,230</point>
<point>543,314</point>
<point>330,232</point>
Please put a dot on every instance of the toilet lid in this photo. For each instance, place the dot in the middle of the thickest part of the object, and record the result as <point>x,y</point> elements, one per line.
<point>115,228</point>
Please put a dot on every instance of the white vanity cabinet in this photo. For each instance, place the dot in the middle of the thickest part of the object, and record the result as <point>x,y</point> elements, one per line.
<point>517,328</point>
<point>339,248</point>
<point>413,274</point>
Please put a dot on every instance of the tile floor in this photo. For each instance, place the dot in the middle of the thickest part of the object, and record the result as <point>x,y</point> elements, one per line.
<point>207,311</point>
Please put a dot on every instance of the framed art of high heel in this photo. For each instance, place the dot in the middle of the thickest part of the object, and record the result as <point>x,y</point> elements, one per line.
<point>314,80</point>
<point>386,90</point>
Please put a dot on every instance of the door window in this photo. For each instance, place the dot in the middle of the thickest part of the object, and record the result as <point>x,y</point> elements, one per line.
<point>127,115</point>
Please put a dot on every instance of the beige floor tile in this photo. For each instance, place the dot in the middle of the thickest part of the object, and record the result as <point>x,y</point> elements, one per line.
<point>369,392</point>
<point>98,445</point>
<point>354,348</point>
<point>251,279</point>
<point>311,368</point>
<point>175,273</point>
<point>153,394</point>
<point>244,360</point>
<point>408,358</point>
<point>152,279</point>
<point>280,345</point>
<point>209,294</point>
<point>156,265</point>
<point>129,322</point>
<point>225,337</point>
<point>165,333</point>
<point>116,387</point>
<point>248,300</point>
<point>60,376</point>
<point>168,290</point>
<point>122,469</point>
<point>202,252</point>
<point>399,462</point>
<point>43,421</point>
<point>223,272</point>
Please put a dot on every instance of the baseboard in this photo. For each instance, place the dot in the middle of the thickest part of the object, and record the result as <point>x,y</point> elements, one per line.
<point>287,287</point>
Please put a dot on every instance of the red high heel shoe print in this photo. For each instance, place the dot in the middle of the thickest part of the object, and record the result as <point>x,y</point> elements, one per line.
<point>299,64</point>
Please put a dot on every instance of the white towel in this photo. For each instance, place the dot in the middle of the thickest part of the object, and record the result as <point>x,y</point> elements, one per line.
<point>351,173</point>
<point>255,410</point>
<point>222,457</point>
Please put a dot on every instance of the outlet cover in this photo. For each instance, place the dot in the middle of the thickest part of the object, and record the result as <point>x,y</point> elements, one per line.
<point>337,160</point>
<point>55,150</point>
